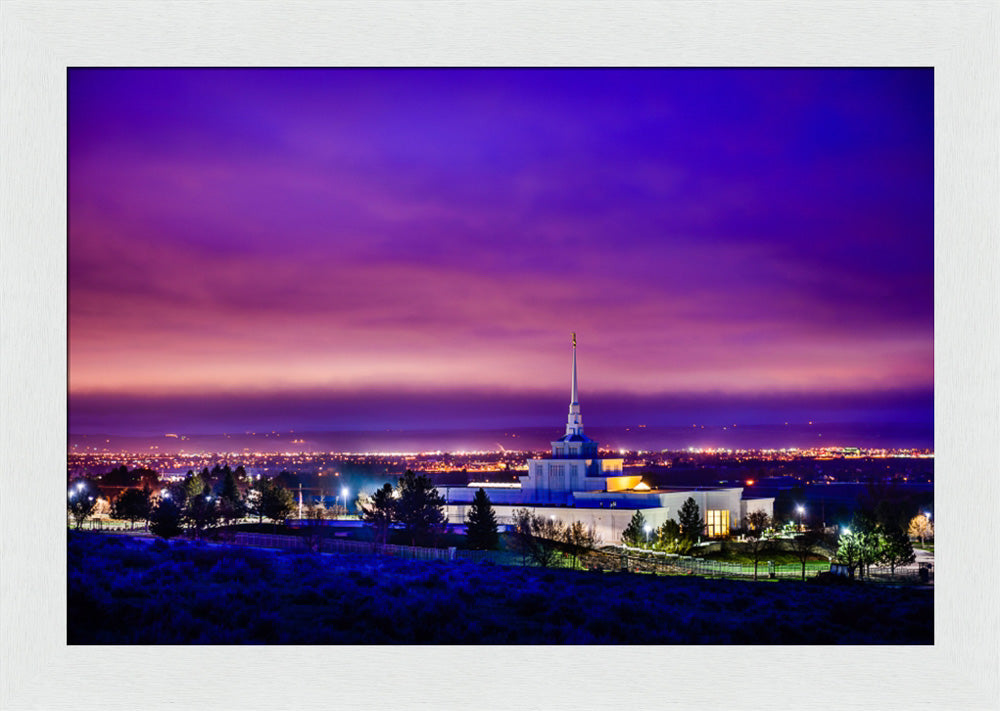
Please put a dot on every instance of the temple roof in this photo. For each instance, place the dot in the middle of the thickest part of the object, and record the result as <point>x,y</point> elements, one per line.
<point>575,438</point>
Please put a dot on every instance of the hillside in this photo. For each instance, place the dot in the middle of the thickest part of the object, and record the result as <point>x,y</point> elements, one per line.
<point>123,591</point>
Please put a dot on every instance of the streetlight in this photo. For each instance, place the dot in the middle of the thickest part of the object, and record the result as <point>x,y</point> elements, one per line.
<point>801,510</point>
<point>647,528</point>
<point>343,492</point>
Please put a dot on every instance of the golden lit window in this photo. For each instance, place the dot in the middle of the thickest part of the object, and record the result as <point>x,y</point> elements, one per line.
<point>717,522</point>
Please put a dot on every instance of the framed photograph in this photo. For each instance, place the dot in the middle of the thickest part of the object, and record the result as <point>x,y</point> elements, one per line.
<point>524,335</point>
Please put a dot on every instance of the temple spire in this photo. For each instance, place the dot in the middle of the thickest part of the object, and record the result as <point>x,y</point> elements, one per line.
<point>573,397</point>
<point>574,423</point>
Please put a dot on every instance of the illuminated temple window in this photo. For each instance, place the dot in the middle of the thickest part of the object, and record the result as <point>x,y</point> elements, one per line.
<point>717,522</point>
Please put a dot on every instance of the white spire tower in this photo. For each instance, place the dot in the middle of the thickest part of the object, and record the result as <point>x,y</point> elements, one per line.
<point>574,423</point>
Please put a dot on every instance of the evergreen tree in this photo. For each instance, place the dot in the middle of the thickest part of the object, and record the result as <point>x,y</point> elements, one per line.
<point>194,484</point>
<point>132,505</point>
<point>897,549</point>
<point>231,505</point>
<point>379,512</point>
<point>690,521</point>
<point>229,487</point>
<point>668,537</point>
<point>165,519</point>
<point>176,493</point>
<point>255,497</point>
<point>419,507</point>
<point>634,533</point>
<point>277,503</point>
<point>202,510</point>
<point>481,524</point>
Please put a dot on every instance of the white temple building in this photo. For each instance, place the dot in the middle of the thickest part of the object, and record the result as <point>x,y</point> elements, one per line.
<point>577,484</point>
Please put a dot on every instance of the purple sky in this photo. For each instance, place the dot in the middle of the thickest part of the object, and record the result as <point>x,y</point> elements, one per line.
<point>341,249</point>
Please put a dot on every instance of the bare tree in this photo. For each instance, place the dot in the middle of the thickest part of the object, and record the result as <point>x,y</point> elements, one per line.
<point>82,500</point>
<point>537,538</point>
<point>757,524</point>
<point>313,536</point>
<point>803,545</point>
<point>579,540</point>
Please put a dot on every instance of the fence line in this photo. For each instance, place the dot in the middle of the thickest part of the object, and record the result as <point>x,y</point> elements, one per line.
<point>649,561</point>
<point>661,560</point>
<point>334,545</point>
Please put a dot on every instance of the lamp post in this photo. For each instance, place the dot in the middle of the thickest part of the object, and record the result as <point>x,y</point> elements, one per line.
<point>647,528</point>
<point>343,492</point>
<point>801,510</point>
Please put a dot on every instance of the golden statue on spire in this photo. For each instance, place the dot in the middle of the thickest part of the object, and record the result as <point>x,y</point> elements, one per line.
<point>574,339</point>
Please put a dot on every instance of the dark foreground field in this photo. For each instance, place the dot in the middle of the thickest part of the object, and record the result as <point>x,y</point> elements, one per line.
<point>123,591</point>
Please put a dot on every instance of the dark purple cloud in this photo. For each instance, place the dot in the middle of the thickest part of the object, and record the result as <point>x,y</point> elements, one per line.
<point>375,409</point>
<point>747,232</point>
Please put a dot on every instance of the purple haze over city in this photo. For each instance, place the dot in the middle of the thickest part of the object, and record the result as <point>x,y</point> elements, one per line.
<point>362,249</point>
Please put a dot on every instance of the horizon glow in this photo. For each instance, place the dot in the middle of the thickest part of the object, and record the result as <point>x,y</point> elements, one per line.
<point>415,246</point>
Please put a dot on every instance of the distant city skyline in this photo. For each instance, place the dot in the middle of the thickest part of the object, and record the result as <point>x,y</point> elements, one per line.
<point>369,249</point>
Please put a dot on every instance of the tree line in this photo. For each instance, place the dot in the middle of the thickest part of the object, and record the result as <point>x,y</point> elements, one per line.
<point>874,537</point>
<point>415,507</point>
<point>203,500</point>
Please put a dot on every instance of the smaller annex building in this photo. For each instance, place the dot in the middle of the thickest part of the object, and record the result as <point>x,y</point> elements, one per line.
<point>576,484</point>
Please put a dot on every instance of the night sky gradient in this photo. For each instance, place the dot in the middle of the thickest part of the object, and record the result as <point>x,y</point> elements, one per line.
<point>353,249</point>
